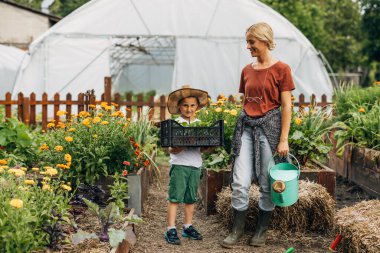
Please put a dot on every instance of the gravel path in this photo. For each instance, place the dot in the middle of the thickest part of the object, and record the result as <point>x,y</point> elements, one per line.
<point>150,233</point>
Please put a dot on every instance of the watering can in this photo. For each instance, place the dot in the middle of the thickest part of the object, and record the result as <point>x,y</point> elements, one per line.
<point>284,182</point>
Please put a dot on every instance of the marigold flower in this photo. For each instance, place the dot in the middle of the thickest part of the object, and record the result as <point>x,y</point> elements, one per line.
<point>63,166</point>
<point>1,170</point>
<point>226,111</point>
<point>46,187</point>
<point>146,163</point>
<point>96,120</point>
<point>114,104</point>
<point>100,114</point>
<point>104,123</point>
<point>103,104</point>
<point>298,121</point>
<point>137,153</point>
<point>17,172</point>
<point>46,179</point>
<point>92,106</point>
<point>233,112</point>
<point>108,108</point>
<point>136,145</point>
<point>61,113</point>
<point>58,148</point>
<point>44,147</point>
<point>126,163</point>
<point>3,162</point>
<point>69,139</point>
<point>68,157</point>
<point>16,203</point>
<point>218,109</point>
<point>72,129</point>
<point>66,187</point>
<point>4,167</point>
<point>51,172</point>
<point>35,169</point>
<point>361,109</point>
<point>29,182</point>
<point>50,125</point>
<point>213,104</point>
<point>125,172</point>
<point>23,168</point>
<point>61,125</point>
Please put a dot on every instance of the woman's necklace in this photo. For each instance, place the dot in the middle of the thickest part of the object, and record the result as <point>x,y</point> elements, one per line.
<point>260,98</point>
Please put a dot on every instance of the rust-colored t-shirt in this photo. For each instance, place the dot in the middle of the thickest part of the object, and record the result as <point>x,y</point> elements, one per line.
<point>262,98</point>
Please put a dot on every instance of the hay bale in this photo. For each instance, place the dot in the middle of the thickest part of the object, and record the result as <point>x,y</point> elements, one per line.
<point>360,227</point>
<point>314,210</point>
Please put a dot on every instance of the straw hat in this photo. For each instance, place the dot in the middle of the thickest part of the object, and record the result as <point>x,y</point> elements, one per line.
<point>177,95</point>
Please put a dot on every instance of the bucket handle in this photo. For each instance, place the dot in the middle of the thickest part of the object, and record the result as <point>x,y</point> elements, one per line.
<point>298,167</point>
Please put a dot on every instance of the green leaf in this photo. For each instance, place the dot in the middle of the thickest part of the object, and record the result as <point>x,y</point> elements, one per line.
<point>81,236</point>
<point>116,236</point>
<point>297,135</point>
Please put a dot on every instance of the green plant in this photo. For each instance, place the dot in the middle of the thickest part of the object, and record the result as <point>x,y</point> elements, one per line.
<point>26,209</point>
<point>119,190</point>
<point>97,141</point>
<point>308,134</point>
<point>357,119</point>
<point>16,141</point>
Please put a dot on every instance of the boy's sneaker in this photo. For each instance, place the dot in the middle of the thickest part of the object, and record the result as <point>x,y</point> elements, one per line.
<point>191,233</point>
<point>172,237</point>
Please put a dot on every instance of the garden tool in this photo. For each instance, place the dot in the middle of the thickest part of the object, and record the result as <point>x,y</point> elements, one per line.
<point>237,229</point>
<point>284,181</point>
<point>261,229</point>
<point>335,243</point>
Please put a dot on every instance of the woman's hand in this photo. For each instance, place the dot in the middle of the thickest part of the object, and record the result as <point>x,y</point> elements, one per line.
<point>283,148</point>
<point>176,150</point>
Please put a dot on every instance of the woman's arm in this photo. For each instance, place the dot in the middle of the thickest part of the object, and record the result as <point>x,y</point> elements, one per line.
<point>286,115</point>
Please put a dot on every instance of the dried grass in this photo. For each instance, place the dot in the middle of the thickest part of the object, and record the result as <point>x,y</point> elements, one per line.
<point>360,227</point>
<point>313,212</point>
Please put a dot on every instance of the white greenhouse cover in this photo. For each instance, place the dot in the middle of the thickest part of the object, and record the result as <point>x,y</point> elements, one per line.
<point>163,45</point>
<point>10,61</point>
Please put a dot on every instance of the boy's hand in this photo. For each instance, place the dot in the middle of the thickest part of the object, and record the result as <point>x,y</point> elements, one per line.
<point>207,150</point>
<point>176,150</point>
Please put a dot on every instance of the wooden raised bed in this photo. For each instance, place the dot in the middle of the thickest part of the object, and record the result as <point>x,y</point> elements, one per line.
<point>138,189</point>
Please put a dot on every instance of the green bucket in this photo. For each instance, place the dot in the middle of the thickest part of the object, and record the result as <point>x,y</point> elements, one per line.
<point>284,183</point>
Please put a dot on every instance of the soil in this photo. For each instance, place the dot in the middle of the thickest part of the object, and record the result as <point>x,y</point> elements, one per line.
<point>150,234</point>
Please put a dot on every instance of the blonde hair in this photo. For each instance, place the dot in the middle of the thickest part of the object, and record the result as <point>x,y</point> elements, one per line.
<point>263,32</point>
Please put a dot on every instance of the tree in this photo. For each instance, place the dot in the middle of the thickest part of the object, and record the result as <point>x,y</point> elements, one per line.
<point>371,26</point>
<point>332,26</point>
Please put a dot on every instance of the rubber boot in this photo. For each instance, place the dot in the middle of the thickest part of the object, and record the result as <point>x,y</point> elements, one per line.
<point>263,222</point>
<point>237,229</point>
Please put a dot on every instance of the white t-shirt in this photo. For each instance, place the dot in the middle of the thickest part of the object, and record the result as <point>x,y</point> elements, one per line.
<point>191,156</point>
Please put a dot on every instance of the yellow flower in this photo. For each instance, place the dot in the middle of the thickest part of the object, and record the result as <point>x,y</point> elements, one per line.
<point>361,109</point>
<point>72,129</point>
<point>3,162</point>
<point>66,187</point>
<point>103,104</point>
<point>50,125</point>
<point>233,112</point>
<point>298,121</point>
<point>44,147</point>
<point>51,172</point>
<point>23,168</point>
<point>218,109</point>
<point>114,104</point>
<point>100,114</point>
<point>58,148</point>
<point>16,203</point>
<point>68,157</point>
<point>46,187</point>
<point>96,120</point>
<point>48,167</point>
<point>4,167</point>
<point>213,104</point>
<point>17,172</point>
<point>87,121</point>
<point>226,111</point>
<point>23,188</point>
<point>63,166</point>
<point>69,139</point>
<point>46,179</point>
<point>108,108</point>
<point>104,122</point>
<point>61,125</point>
<point>92,106</point>
<point>1,170</point>
<point>35,169</point>
<point>29,182</point>
<point>61,113</point>
<point>94,136</point>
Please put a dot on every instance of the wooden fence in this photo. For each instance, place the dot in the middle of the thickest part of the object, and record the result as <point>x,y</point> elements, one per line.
<point>26,105</point>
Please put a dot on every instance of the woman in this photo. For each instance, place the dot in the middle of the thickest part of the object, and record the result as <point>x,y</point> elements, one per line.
<point>261,131</point>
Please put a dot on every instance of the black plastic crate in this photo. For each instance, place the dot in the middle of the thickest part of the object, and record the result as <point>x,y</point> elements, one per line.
<point>174,134</point>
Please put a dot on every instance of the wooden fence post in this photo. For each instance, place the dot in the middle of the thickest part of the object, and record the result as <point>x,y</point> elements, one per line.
<point>80,102</point>
<point>56,107</point>
<point>140,100</point>
<point>25,110</point>
<point>151,107</point>
<point>20,97</point>
<point>44,104</point>
<point>162,108</point>
<point>129,110</point>
<point>107,90</point>
<point>8,105</point>
<point>32,108</point>
<point>68,106</point>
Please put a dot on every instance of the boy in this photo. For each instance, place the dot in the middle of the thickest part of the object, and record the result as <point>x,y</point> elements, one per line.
<point>185,165</point>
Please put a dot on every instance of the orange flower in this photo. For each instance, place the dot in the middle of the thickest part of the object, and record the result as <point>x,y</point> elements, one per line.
<point>126,163</point>
<point>136,145</point>
<point>125,172</point>
<point>137,153</point>
<point>146,163</point>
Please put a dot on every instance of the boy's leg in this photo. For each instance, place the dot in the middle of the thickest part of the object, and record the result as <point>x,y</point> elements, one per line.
<point>189,210</point>
<point>172,213</point>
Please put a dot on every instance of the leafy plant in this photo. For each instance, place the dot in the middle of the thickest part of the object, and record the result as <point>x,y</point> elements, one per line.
<point>308,134</point>
<point>119,190</point>
<point>55,231</point>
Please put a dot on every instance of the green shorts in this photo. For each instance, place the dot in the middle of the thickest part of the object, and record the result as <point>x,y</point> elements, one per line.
<point>183,186</point>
